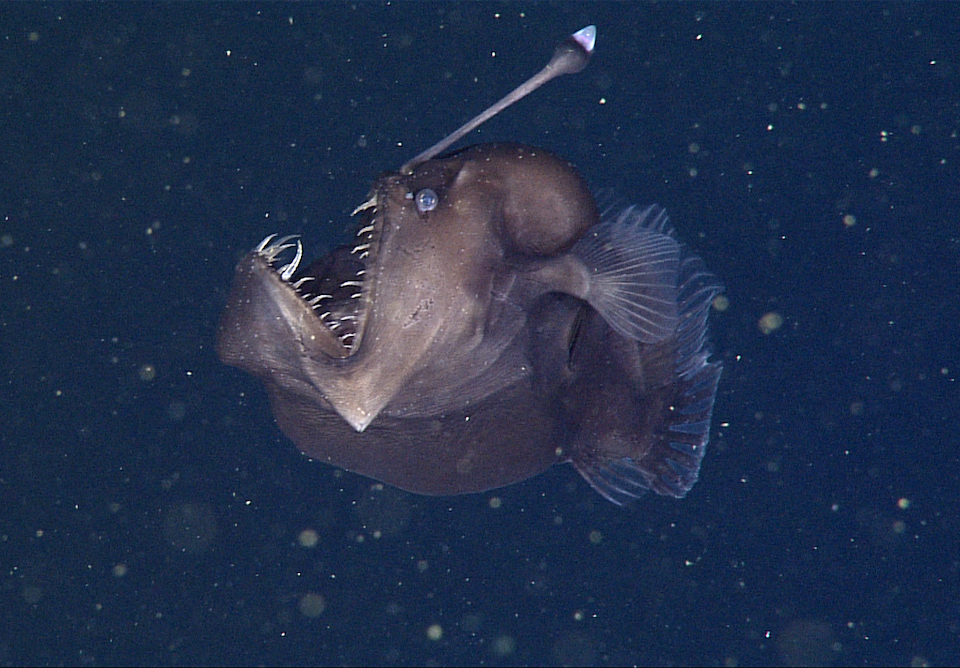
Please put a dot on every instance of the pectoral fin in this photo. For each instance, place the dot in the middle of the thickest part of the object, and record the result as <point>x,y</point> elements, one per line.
<point>632,270</point>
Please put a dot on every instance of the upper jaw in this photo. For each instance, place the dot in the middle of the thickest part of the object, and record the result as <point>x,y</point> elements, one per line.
<point>337,286</point>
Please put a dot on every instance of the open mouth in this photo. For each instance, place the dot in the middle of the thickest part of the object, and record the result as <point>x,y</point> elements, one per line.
<point>335,285</point>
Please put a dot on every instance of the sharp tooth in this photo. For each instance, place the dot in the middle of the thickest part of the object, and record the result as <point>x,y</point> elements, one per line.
<point>264,243</point>
<point>299,283</point>
<point>355,284</point>
<point>359,247</point>
<point>287,272</point>
<point>270,249</point>
<point>365,230</point>
<point>369,204</point>
<point>281,245</point>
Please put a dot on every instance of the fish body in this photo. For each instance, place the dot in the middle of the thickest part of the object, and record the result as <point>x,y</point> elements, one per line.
<point>487,322</point>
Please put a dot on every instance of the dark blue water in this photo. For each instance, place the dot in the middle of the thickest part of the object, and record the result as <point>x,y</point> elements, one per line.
<point>152,513</point>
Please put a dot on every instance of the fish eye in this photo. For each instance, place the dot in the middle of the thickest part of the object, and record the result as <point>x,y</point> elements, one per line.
<point>426,200</point>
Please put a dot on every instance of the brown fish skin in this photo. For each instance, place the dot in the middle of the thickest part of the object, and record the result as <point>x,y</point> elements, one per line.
<point>476,334</point>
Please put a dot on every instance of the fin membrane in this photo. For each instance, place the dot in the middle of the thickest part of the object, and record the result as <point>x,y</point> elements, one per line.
<point>633,267</point>
<point>670,462</point>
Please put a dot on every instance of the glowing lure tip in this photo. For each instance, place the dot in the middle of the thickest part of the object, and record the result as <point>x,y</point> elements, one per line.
<point>586,38</point>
